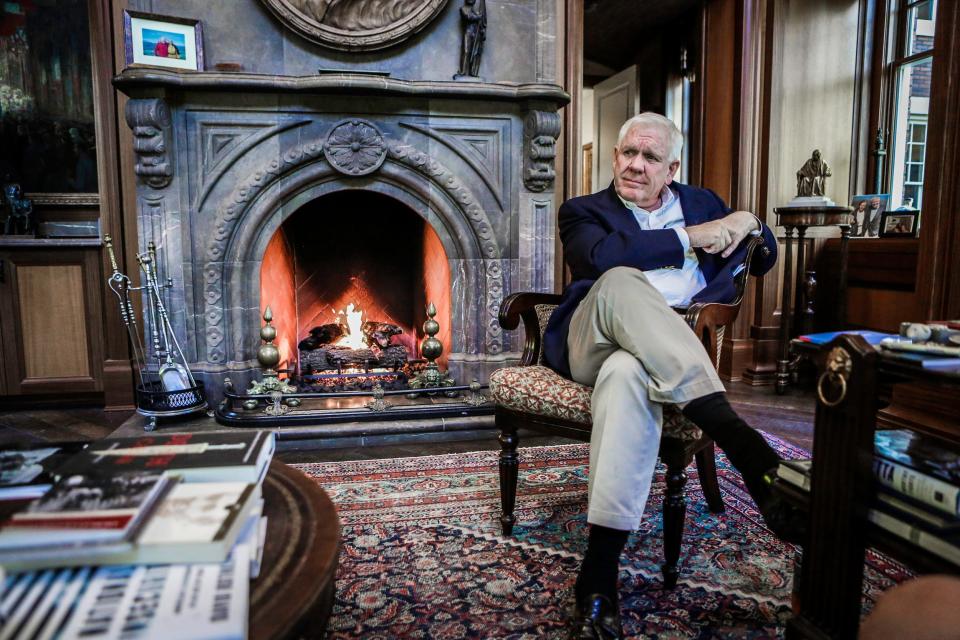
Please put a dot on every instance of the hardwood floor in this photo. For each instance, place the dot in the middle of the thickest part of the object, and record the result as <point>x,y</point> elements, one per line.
<point>58,425</point>
<point>789,417</point>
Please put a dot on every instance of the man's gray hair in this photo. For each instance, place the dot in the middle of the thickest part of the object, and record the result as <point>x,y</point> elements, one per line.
<point>651,119</point>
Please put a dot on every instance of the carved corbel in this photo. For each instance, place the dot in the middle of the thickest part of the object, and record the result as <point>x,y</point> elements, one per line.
<point>540,132</point>
<point>150,122</point>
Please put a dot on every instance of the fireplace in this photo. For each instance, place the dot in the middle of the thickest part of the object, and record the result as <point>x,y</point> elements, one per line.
<point>353,249</point>
<point>389,189</point>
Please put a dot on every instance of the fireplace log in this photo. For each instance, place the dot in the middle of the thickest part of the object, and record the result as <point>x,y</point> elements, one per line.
<point>321,335</point>
<point>332,358</point>
<point>379,333</point>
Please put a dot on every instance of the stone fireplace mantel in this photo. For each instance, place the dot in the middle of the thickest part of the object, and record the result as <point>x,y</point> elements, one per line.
<point>223,159</point>
<point>143,82</point>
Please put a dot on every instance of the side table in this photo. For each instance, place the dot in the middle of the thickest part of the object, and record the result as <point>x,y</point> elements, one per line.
<point>800,218</point>
<point>293,595</point>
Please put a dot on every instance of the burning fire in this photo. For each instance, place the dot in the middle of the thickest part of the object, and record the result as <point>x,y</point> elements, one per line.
<point>354,337</point>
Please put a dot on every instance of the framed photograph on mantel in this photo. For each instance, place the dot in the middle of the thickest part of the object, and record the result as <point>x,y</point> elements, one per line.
<point>868,209</point>
<point>162,41</point>
<point>900,223</point>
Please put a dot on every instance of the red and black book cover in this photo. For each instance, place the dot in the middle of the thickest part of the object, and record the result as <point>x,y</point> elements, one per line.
<point>196,456</point>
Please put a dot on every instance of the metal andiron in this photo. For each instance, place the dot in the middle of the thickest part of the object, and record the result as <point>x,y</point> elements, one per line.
<point>431,377</point>
<point>269,357</point>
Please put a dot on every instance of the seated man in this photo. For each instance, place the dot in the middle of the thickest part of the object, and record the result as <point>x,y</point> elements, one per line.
<point>645,244</point>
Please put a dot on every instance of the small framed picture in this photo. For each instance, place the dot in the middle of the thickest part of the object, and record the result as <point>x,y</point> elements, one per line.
<point>867,213</point>
<point>900,223</point>
<point>162,41</point>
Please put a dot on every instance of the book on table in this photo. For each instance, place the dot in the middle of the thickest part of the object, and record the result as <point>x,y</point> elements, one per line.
<point>196,457</point>
<point>872,337</point>
<point>193,523</point>
<point>189,602</point>
<point>84,510</point>
<point>923,468</point>
<point>929,361</point>
<point>27,471</point>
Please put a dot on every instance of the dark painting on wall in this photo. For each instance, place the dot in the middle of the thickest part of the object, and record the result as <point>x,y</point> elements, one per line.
<point>46,97</point>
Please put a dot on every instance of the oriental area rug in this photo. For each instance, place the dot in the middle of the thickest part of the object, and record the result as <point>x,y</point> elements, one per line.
<point>423,557</point>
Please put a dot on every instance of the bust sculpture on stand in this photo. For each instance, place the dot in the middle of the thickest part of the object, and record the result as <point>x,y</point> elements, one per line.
<point>810,208</point>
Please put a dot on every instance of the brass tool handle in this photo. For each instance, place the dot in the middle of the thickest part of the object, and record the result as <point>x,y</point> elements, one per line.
<point>108,241</point>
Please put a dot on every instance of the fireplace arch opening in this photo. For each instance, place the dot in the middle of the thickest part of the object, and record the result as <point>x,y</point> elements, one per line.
<point>360,248</point>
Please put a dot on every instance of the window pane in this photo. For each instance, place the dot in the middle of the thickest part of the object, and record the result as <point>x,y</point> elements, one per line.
<point>910,131</point>
<point>920,22</point>
<point>46,97</point>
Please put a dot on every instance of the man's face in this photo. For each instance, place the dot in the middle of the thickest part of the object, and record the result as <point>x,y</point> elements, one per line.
<point>875,203</point>
<point>641,166</point>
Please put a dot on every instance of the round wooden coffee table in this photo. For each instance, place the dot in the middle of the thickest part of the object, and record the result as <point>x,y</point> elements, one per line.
<point>293,595</point>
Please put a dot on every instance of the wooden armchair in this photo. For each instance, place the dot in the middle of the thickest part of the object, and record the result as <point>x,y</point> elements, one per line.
<point>534,397</point>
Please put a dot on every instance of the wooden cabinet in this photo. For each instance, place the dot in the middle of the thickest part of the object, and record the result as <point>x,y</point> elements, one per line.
<point>51,337</point>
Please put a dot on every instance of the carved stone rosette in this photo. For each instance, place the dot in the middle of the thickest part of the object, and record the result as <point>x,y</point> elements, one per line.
<point>540,132</point>
<point>355,147</point>
<point>150,122</point>
<point>358,25</point>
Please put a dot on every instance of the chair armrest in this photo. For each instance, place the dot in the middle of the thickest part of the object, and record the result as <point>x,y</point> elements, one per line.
<point>521,306</point>
<point>706,318</point>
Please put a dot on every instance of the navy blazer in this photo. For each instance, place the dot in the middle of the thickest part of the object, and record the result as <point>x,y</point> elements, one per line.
<point>598,233</point>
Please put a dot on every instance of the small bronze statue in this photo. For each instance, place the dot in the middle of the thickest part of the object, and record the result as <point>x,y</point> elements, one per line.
<point>812,177</point>
<point>19,209</point>
<point>473,14</point>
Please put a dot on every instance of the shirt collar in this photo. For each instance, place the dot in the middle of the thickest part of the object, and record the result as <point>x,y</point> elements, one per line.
<point>666,199</point>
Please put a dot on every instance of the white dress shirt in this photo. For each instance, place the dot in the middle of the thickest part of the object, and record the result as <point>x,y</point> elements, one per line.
<point>677,286</point>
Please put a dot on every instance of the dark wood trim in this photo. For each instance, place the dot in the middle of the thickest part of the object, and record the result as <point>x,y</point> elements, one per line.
<point>764,327</point>
<point>862,141</point>
<point>118,388</point>
<point>66,199</point>
<point>877,109</point>
<point>570,136</point>
<point>938,274</point>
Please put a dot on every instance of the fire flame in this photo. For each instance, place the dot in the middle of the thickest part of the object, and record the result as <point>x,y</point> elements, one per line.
<point>354,337</point>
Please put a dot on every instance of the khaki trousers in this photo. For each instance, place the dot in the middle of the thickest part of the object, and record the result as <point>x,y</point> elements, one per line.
<point>637,353</point>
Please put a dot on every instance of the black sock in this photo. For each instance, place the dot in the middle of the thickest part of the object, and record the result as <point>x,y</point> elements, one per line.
<point>601,563</point>
<point>746,449</point>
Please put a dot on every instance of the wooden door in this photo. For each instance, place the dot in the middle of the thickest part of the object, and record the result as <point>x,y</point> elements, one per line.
<point>614,101</point>
<point>52,341</point>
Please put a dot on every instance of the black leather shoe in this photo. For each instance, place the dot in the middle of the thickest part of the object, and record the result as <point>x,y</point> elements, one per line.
<point>595,618</point>
<point>786,521</point>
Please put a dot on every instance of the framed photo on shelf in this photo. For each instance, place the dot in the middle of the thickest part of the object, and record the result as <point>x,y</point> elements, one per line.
<point>162,41</point>
<point>902,223</point>
<point>868,210</point>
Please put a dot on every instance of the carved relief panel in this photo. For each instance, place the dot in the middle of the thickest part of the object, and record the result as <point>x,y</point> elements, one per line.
<point>355,25</point>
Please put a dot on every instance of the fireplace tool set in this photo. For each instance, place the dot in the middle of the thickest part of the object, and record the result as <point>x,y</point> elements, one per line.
<point>165,387</point>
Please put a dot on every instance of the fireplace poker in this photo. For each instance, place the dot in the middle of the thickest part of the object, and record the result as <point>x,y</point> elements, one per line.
<point>121,285</point>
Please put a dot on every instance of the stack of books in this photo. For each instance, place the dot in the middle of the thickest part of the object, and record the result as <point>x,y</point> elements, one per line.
<point>168,528</point>
<point>918,489</point>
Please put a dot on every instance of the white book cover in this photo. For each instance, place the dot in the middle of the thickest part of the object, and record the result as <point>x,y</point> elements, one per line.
<point>187,602</point>
<point>196,513</point>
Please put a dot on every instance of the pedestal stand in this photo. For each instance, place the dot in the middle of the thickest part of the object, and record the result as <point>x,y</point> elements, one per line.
<point>791,307</point>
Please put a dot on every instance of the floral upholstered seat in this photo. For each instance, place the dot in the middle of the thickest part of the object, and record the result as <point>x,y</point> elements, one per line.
<point>540,390</point>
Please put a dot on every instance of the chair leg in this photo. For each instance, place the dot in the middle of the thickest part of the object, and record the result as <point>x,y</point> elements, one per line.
<point>674,514</point>
<point>707,472</point>
<point>509,463</point>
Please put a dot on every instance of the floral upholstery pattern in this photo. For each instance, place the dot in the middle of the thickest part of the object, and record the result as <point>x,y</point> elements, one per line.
<point>542,391</point>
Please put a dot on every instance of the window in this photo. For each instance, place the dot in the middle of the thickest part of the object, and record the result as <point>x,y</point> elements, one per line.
<point>909,79</point>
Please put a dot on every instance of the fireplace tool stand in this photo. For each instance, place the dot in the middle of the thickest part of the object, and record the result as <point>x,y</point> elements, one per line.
<point>166,386</point>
